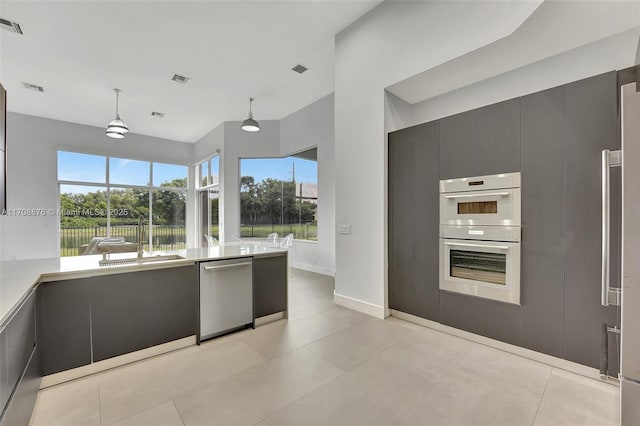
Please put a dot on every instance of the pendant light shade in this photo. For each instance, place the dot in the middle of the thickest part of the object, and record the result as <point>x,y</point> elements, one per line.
<point>250,125</point>
<point>117,128</point>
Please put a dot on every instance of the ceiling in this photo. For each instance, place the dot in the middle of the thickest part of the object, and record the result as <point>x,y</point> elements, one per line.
<point>232,50</point>
<point>553,28</point>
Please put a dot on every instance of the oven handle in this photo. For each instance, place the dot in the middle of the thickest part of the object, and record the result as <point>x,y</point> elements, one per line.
<point>492,194</point>
<point>505,248</point>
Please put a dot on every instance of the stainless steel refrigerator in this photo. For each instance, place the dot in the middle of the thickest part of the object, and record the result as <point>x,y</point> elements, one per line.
<point>629,296</point>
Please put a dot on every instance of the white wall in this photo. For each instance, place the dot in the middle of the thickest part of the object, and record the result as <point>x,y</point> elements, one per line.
<point>32,144</point>
<point>393,42</point>
<point>613,53</point>
<point>240,144</point>
<point>312,126</point>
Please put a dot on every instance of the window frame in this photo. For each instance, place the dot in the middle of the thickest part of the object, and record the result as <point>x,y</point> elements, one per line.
<point>293,154</point>
<point>108,186</point>
<point>206,188</point>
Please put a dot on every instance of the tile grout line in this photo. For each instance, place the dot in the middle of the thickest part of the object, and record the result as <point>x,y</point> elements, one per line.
<point>177,411</point>
<point>542,397</point>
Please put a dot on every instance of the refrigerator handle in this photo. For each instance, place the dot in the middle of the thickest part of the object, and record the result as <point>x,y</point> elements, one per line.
<point>608,296</point>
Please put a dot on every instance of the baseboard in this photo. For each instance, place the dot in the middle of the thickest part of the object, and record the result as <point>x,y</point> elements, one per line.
<point>359,305</point>
<point>96,367</point>
<point>314,268</point>
<point>553,361</point>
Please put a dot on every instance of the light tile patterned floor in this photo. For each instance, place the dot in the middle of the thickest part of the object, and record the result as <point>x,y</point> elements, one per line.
<point>331,366</point>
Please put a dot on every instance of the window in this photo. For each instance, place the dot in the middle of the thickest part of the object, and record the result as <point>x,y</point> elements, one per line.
<point>208,197</point>
<point>280,195</point>
<point>94,203</point>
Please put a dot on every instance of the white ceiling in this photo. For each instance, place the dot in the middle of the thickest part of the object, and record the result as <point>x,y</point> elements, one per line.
<point>232,50</point>
<point>553,28</point>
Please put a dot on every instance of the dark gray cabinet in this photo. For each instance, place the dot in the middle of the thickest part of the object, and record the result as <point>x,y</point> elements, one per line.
<point>64,325</point>
<point>401,220</point>
<point>4,382</point>
<point>496,320</point>
<point>20,376</point>
<point>480,142</point>
<point>497,138</point>
<point>137,310</point>
<point>425,220</point>
<point>555,138</point>
<point>20,340</point>
<point>24,397</point>
<point>269,284</point>
<point>90,319</point>
<point>120,314</point>
<point>543,202</point>
<point>173,303</point>
<point>414,158</point>
<point>457,153</point>
<point>590,125</point>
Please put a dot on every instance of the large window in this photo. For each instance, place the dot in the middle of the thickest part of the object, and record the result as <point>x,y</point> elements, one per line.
<point>208,196</point>
<point>280,195</point>
<point>106,197</point>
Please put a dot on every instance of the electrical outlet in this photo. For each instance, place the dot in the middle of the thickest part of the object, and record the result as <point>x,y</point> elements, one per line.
<point>344,229</point>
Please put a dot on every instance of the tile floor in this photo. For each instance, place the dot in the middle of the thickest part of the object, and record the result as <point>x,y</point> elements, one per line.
<point>331,366</point>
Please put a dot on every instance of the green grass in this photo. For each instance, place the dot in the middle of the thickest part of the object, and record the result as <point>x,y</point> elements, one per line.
<point>300,232</point>
<point>164,237</point>
<point>171,237</point>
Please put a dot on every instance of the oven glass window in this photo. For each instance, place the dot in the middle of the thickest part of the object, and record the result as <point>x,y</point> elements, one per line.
<point>479,266</point>
<point>478,207</point>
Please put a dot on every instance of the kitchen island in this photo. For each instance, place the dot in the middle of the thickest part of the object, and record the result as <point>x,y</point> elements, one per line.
<point>64,318</point>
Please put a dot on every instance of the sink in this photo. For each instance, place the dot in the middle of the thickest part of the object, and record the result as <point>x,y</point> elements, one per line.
<point>139,261</point>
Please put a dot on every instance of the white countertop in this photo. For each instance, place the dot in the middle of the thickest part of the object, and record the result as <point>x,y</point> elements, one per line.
<point>19,277</point>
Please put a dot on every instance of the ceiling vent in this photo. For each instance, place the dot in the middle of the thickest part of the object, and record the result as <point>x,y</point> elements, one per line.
<point>33,87</point>
<point>10,26</point>
<point>157,114</point>
<point>180,79</point>
<point>299,68</point>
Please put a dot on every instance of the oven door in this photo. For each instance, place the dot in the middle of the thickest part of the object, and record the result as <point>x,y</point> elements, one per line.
<point>491,207</point>
<point>488,269</point>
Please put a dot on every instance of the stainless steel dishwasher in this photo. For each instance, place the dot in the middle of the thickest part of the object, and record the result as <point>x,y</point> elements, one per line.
<point>226,296</point>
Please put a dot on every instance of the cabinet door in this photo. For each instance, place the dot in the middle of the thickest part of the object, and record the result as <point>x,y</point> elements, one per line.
<point>120,314</point>
<point>23,401</point>
<point>21,339</point>
<point>426,220</point>
<point>542,274</point>
<point>173,303</point>
<point>269,285</point>
<point>64,324</point>
<point>590,125</point>
<point>401,220</point>
<point>4,382</point>
<point>497,138</point>
<point>457,153</point>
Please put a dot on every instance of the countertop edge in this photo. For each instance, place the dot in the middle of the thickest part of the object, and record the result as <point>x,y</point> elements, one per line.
<point>46,277</point>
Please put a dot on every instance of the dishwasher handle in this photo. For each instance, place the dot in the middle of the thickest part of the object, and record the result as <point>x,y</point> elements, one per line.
<point>228,266</point>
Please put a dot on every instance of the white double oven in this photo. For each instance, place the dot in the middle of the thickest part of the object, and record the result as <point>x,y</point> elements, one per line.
<point>480,231</point>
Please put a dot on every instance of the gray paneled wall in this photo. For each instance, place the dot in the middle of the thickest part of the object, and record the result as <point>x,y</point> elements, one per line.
<point>543,204</point>
<point>590,125</point>
<point>554,138</point>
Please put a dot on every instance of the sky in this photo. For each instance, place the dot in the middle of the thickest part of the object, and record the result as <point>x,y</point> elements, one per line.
<point>280,168</point>
<point>92,168</point>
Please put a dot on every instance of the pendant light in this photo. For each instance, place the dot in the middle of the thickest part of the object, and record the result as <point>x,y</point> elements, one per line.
<point>117,128</point>
<point>250,125</point>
